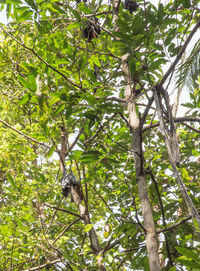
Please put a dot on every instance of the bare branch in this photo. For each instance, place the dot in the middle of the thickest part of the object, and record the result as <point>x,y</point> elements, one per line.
<point>191,207</point>
<point>113,99</point>
<point>98,13</point>
<point>146,111</point>
<point>116,4</point>
<point>181,119</point>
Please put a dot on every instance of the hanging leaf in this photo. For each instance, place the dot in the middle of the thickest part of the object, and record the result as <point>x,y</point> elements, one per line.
<point>11,180</point>
<point>88,227</point>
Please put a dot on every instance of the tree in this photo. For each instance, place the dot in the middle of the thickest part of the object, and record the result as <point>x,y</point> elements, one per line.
<point>102,107</point>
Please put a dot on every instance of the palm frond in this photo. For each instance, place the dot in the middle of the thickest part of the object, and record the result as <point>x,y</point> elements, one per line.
<point>189,71</point>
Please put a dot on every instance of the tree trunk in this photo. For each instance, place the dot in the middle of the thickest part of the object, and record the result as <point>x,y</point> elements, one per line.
<point>83,210</point>
<point>151,240</point>
<point>92,233</point>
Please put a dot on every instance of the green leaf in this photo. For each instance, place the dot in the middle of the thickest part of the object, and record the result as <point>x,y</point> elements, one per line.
<point>26,15</point>
<point>91,99</point>
<point>189,264</point>
<point>11,180</point>
<point>155,65</point>
<point>96,61</point>
<point>146,264</point>
<point>106,235</point>
<point>161,13</point>
<point>88,227</point>
<point>54,100</point>
<point>76,14</point>
<point>188,253</point>
<point>186,3</point>
<point>196,224</point>
<point>110,258</point>
<point>5,230</point>
<point>185,174</point>
<point>73,25</point>
<point>60,109</point>
<point>123,25</point>
<point>32,83</point>
<point>173,268</point>
<point>55,8</point>
<point>24,99</point>
<point>84,8</point>
<point>51,151</point>
<point>89,157</point>
<point>16,2</point>
<point>23,81</point>
<point>68,111</point>
<point>91,114</point>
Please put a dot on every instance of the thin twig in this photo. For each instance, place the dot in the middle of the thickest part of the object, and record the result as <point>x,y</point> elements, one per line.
<point>171,68</point>
<point>190,127</point>
<point>64,230</point>
<point>24,135</point>
<point>62,210</point>
<point>146,111</point>
<point>175,225</point>
<point>43,265</point>
<point>75,141</point>
<point>55,212</point>
<point>180,119</point>
<point>40,58</point>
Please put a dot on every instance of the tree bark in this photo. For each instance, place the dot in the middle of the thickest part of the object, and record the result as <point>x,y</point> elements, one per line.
<point>151,240</point>
<point>92,233</point>
<point>83,210</point>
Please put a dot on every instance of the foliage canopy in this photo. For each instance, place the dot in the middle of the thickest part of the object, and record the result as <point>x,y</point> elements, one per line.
<point>61,96</point>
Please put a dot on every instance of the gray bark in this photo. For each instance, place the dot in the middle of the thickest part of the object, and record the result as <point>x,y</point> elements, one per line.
<point>151,239</point>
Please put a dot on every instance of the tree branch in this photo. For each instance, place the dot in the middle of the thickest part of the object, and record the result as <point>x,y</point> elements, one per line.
<point>171,68</point>
<point>24,135</point>
<point>191,207</point>
<point>40,58</point>
<point>101,127</point>
<point>63,210</point>
<point>75,141</point>
<point>180,119</point>
<point>65,229</point>
<point>43,265</point>
<point>190,127</point>
<point>175,225</point>
<point>163,215</point>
